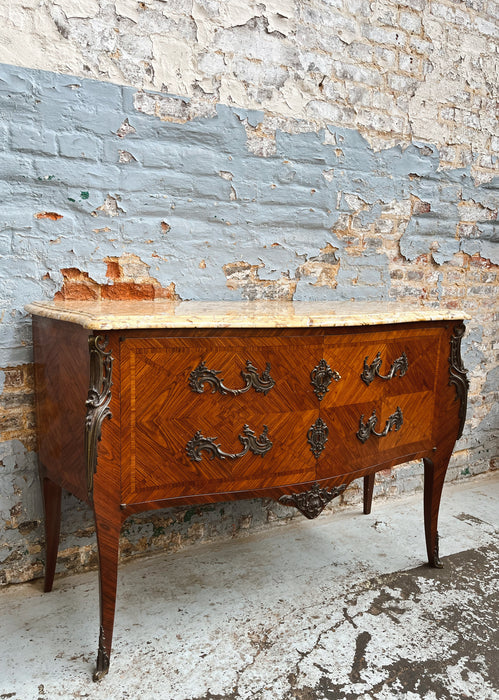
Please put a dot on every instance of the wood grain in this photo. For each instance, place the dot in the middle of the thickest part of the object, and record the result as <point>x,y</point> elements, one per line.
<point>61,362</point>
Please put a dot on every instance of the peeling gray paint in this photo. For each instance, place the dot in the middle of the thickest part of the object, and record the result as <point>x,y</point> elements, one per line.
<point>173,176</point>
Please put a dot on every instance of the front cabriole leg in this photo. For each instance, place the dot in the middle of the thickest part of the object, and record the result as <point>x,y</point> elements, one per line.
<point>435,467</point>
<point>107,520</point>
<point>108,539</point>
<point>434,476</point>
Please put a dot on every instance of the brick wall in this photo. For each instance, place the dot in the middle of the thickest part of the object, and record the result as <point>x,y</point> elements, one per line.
<point>226,150</point>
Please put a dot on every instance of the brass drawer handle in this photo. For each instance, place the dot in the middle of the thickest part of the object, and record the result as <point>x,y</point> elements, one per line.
<point>202,375</point>
<point>366,429</point>
<point>371,371</point>
<point>321,377</point>
<point>258,446</point>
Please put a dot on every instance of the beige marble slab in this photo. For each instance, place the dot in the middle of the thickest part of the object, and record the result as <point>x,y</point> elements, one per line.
<point>116,315</point>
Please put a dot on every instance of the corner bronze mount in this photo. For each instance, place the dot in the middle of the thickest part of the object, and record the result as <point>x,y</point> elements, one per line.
<point>317,437</point>
<point>457,374</point>
<point>97,403</point>
<point>312,503</point>
<point>367,429</point>
<point>200,376</point>
<point>321,377</point>
<point>400,365</point>
<point>258,446</point>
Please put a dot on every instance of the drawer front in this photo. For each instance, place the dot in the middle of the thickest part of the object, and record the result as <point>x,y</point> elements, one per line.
<point>377,365</point>
<point>186,428</point>
<point>370,433</point>
<point>383,407</point>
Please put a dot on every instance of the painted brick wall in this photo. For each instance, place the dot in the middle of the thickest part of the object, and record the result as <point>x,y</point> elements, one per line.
<point>226,150</point>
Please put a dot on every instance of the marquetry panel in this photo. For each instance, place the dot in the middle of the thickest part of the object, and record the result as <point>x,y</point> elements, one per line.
<point>348,354</point>
<point>344,450</point>
<point>161,414</point>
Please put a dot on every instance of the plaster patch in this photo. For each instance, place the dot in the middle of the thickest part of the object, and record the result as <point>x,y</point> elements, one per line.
<point>245,278</point>
<point>174,64</point>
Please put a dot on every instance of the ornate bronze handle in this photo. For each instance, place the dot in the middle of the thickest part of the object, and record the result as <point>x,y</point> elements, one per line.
<point>202,375</point>
<point>366,429</point>
<point>312,503</point>
<point>317,437</point>
<point>321,377</point>
<point>400,365</point>
<point>259,446</point>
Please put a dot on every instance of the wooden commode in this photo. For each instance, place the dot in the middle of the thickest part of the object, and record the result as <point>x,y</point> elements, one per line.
<point>144,405</point>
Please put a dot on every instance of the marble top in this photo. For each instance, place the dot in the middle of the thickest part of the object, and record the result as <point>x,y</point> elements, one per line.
<point>116,315</point>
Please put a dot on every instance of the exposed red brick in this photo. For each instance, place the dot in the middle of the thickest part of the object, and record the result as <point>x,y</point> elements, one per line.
<point>422,259</point>
<point>48,215</point>
<point>127,290</point>
<point>166,292</point>
<point>14,377</point>
<point>77,285</point>
<point>478,261</point>
<point>165,227</point>
<point>421,207</point>
<point>113,269</point>
<point>73,273</point>
<point>75,291</point>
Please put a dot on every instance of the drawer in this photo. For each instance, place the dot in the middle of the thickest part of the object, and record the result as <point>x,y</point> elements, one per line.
<point>409,418</point>
<point>204,371</point>
<point>181,420</point>
<point>375,365</point>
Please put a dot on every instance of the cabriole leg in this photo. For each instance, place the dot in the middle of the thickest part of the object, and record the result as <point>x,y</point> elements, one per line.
<point>368,493</point>
<point>52,494</point>
<point>108,540</point>
<point>434,476</point>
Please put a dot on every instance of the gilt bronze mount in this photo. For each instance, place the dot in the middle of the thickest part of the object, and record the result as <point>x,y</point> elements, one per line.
<point>457,373</point>
<point>317,436</point>
<point>312,503</point>
<point>400,365</point>
<point>200,376</point>
<point>250,442</point>
<point>321,377</point>
<point>102,664</point>
<point>367,429</point>
<point>97,403</point>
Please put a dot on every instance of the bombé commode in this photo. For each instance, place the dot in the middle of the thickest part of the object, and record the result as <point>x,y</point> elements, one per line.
<point>145,405</point>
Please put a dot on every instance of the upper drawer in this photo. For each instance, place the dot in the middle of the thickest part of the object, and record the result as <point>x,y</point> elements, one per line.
<point>266,373</point>
<point>375,365</point>
<point>186,430</point>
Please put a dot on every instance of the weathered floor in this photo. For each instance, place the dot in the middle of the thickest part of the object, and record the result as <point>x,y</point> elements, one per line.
<point>341,607</point>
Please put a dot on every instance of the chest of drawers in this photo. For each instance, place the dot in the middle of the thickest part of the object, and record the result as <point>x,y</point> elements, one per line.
<point>148,405</point>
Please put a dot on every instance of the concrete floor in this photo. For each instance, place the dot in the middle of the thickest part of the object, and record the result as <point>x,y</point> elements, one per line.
<point>340,607</point>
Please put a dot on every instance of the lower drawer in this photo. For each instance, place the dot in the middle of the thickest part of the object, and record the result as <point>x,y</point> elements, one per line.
<point>370,433</point>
